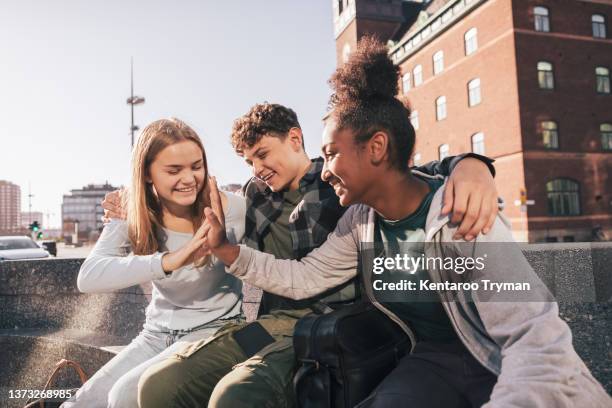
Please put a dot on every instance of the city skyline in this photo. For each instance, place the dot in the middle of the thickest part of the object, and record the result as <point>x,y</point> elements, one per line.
<point>65,85</point>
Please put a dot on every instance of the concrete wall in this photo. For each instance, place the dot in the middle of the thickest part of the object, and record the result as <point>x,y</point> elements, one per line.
<point>43,317</point>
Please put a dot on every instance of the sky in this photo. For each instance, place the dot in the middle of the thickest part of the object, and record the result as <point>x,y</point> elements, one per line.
<point>65,78</point>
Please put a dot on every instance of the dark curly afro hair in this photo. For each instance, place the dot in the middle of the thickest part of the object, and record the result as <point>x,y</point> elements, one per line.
<point>364,100</point>
<point>263,119</point>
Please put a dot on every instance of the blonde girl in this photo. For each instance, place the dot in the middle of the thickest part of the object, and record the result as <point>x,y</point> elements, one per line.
<point>159,242</point>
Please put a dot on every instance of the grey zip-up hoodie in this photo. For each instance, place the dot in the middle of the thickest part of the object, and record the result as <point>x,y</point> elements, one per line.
<point>525,343</point>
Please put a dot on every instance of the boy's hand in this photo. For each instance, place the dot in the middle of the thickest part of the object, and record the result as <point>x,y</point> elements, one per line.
<point>472,196</point>
<point>215,238</point>
<point>113,205</point>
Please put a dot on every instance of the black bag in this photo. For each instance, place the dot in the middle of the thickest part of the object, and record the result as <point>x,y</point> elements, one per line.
<point>343,355</point>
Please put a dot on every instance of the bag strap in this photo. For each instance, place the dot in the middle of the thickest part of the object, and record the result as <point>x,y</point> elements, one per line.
<point>58,366</point>
<point>321,391</point>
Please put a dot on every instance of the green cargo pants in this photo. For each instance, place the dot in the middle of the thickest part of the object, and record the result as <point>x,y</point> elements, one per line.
<point>215,372</point>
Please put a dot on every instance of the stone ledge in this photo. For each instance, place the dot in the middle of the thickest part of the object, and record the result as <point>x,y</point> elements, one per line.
<point>39,297</point>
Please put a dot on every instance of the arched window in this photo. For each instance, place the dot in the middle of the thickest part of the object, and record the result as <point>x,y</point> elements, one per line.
<point>563,197</point>
<point>602,75</point>
<point>471,41</point>
<point>606,136</point>
<point>443,151</point>
<point>406,82</point>
<point>546,78</point>
<point>438,62</point>
<point>417,74</point>
<point>550,134</point>
<point>541,19</point>
<point>478,143</point>
<point>598,22</point>
<point>441,108</point>
<point>474,92</point>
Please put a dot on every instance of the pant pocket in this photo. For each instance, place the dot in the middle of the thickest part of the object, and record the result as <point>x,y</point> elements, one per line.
<point>276,347</point>
<point>194,347</point>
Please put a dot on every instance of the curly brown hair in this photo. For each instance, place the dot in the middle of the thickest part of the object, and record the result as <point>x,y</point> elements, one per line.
<point>364,100</point>
<point>263,119</point>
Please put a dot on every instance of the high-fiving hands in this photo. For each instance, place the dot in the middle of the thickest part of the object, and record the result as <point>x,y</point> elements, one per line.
<point>187,254</point>
<point>215,237</point>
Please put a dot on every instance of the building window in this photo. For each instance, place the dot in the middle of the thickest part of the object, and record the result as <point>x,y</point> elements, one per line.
<point>550,134</point>
<point>603,79</point>
<point>414,119</point>
<point>474,92</point>
<point>563,197</point>
<point>598,23</point>
<point>417,74</point>
<point>471,41</point>
<point>346,52</point>
<point>542,22</point>
<point>606,136</point>
<point>406,83</point>
<point>443,151</point>
<point>441,108</point>
<point>478,143</point>
<point>438,62</point>
<point>416,159</point>
<point>546,78</point>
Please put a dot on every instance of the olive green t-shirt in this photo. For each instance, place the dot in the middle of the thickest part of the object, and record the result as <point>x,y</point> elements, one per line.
<point>278,239</point>
<point>278,242</point>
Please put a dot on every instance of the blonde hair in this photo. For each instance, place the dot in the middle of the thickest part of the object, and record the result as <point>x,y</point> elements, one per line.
<point>144,215</point>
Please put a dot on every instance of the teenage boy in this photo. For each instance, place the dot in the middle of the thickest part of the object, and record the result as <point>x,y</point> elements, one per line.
<point>290,211</point>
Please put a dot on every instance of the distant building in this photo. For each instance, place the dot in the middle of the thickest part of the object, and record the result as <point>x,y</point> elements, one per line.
<point>84,207</point>
<point>10,208</point>
<point>525,82</point>
<point>27,218</point>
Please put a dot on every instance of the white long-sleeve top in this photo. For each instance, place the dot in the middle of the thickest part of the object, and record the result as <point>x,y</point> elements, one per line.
<point>187,298</point>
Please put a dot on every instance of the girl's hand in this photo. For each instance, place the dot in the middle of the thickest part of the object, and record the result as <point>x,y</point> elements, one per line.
<point>215,235</point>
<point>215,238</point>
<point>189,252</point>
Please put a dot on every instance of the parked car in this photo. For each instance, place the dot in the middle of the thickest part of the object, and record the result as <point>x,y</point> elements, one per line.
<point>20,247</point>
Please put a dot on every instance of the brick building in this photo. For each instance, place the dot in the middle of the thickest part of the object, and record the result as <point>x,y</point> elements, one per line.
<point>525,82</point>
<point>10,208</point>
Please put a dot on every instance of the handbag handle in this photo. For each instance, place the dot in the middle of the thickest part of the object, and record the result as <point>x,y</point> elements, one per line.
<point>61,364</point>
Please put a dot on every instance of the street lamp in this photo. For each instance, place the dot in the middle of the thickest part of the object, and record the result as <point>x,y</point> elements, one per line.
<point>133,100</point>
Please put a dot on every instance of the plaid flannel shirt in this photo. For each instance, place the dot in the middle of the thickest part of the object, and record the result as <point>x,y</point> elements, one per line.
<point>309,224</point>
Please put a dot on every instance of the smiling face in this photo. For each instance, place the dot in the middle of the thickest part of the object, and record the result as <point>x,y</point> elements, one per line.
<point>276,161</point>
<point>347,166</point>
<point>178,174</point>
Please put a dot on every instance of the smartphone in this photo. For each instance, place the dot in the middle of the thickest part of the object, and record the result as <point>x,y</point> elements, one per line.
<point>252,338</point>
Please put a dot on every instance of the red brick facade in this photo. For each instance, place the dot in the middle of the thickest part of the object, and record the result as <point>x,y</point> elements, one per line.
<point>512,104</point>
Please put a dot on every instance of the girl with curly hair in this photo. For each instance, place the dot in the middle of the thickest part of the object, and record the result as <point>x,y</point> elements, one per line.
<point>469,349</point>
